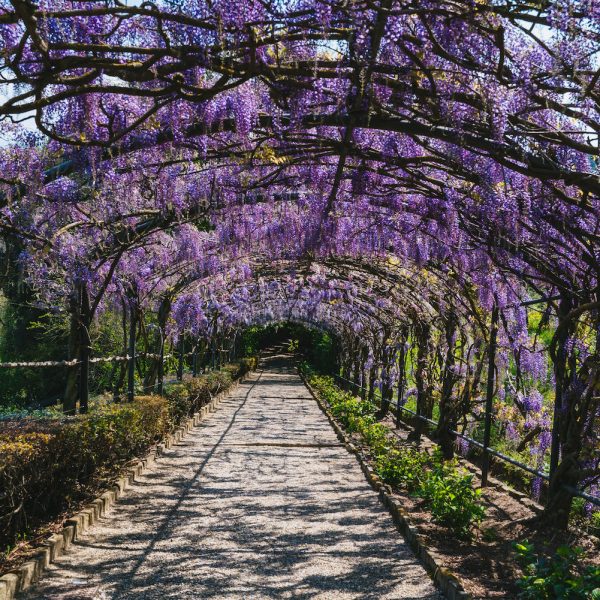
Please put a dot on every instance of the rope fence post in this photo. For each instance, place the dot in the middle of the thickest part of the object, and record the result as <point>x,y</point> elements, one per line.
<point>181,351</point>
<point>131,362</point>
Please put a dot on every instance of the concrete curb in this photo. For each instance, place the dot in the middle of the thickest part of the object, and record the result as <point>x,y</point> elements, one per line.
<point>446,581</point>
<point>55,546</point>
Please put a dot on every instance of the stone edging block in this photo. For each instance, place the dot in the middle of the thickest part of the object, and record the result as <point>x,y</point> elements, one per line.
<point>446,581</point>
<point>56,545</point>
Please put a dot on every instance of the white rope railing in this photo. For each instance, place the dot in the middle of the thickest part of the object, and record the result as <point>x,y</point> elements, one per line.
<point>75,361</point>
<point>46,363</point>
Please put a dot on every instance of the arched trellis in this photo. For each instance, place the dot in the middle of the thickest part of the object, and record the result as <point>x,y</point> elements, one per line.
<point>382,331</point>
<point>398,130</point>
<point>392,274</point>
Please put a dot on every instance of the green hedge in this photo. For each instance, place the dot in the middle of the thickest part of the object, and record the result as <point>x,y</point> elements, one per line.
<point>447,491</point>
<point>47,464</point>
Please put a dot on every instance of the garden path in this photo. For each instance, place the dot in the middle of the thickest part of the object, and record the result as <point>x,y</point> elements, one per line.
<point>260,501</point>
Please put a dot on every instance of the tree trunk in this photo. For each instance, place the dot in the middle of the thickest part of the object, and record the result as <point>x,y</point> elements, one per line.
<point>76,387</point>
<point>559,357</point>
<point>84,348</point>
<point>364,375</point>
<point>582,403</point>
<point>161,320</point>
<point>386,386</point>
<point>122,365</point>
<point>447,420</point>
<point>181,358</point>
<point>372,378</point>
<point>401,377</point>
<point>423,382</point>
<point>133,316</point>
<point>71,391</point>
<point>356,371</point>
<point>346,369</point>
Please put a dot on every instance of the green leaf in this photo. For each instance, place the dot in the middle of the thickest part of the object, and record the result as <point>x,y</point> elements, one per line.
<point>564,551</point>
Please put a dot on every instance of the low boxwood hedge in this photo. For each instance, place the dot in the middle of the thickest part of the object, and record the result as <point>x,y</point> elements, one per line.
<point>47,464</point>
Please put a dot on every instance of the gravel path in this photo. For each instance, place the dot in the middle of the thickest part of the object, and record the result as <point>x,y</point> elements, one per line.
<point>260,501</point>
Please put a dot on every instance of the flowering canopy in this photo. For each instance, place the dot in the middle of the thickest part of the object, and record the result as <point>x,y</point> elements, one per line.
<point>370,165</point>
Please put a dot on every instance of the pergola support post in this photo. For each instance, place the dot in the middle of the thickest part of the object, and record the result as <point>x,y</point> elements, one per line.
<point>489,396</point>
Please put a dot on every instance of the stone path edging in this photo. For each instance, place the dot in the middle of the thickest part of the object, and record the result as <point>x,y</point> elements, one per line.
<point>55,546</point>
<point>446,581</point>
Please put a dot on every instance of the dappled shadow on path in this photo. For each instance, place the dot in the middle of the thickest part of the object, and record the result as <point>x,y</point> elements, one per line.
<point>234,513</point>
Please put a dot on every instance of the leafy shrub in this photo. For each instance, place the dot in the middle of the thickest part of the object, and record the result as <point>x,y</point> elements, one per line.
<point>447,492</point>
<point>324,385</point>
<point>198,391</point>
<point>352,415</point>
<point>232,369</point>
<point>117,432</point>
<point>376,436</point>
<point>24,463</point>
<point>153,419</point>
<point>180,401</point>
<point>560,577</point>
<point>402,467</point>
<point>41,472</point>
<point>217,381</point>
<point>248,364</point>
<point>453,500</point>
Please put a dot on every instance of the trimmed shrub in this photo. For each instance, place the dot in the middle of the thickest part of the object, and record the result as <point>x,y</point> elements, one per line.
<point>250,363</point>
<point>376,436</point>
<point>42,472</point>
<point>453,500</point>
<point>218,381</point>
<point>46,464</point>
<point>26,460</point>
<point>233,370</point>
<point>199,391</point>
<point>180,403</point>
<point>402,467</point>
<point>354,413</point>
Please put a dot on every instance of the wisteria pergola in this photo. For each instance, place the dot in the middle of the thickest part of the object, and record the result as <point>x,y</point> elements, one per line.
<point>389,169</point>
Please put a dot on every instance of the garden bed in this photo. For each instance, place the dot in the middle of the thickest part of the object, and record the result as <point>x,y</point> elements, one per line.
<point>485,561</point>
